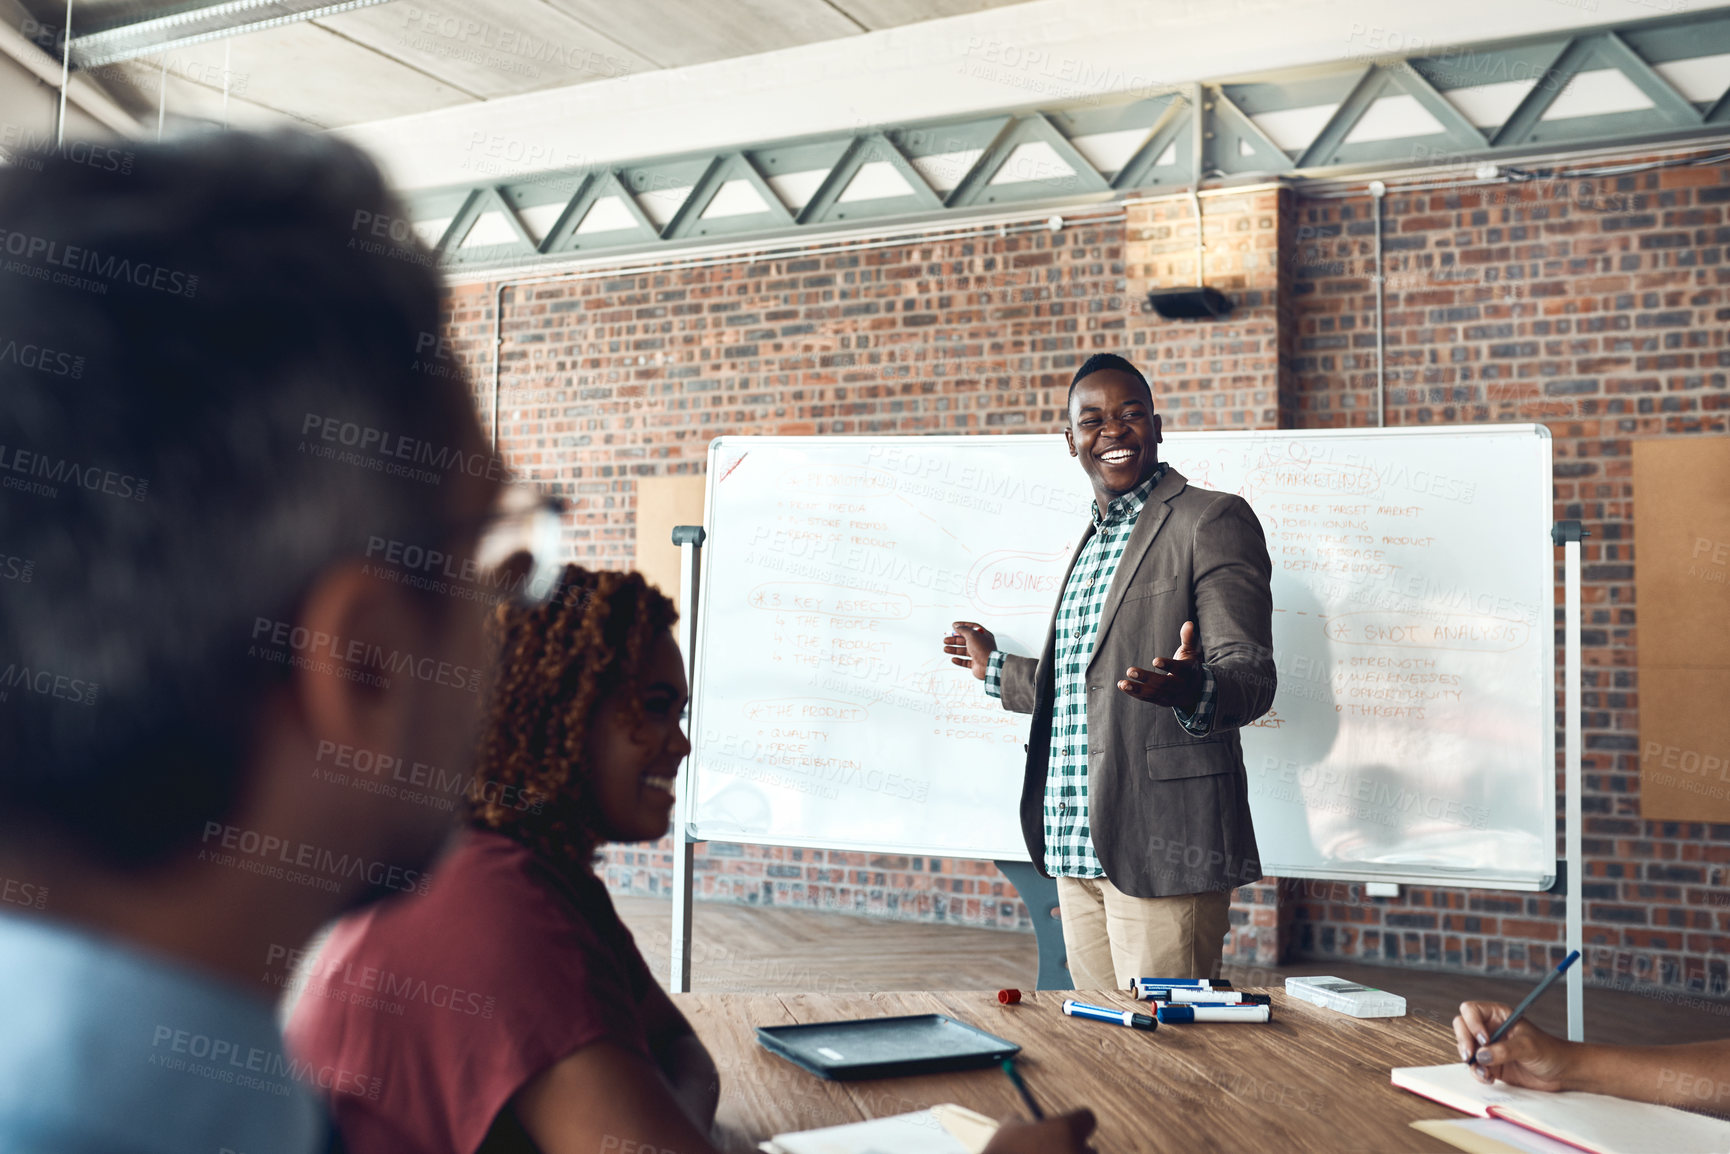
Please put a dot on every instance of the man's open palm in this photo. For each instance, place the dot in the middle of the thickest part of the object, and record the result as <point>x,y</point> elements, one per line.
<point>1174,680</point>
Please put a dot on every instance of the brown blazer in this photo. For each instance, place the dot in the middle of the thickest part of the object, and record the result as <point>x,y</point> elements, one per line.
<point>1169,811</point>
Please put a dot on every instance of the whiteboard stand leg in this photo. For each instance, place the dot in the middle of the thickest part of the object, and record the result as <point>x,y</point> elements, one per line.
<point>1568,534</point>
<point>1040,894</point>
<point>689,539</point>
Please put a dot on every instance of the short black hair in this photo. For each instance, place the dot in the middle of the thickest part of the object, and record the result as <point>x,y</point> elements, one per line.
<point>1100,362</point>
<point>181,327</point>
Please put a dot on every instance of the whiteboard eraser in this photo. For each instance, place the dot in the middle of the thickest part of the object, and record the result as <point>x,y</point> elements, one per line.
<point>1346,997</point>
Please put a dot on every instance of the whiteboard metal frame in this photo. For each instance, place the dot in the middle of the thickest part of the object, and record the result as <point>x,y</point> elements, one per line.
<point>686,836</point>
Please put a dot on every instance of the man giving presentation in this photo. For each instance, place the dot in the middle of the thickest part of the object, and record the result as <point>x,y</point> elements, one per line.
<point>1135,797</point>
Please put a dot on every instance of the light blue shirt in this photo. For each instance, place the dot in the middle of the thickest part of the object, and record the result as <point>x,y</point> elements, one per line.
<point>107,1051</point>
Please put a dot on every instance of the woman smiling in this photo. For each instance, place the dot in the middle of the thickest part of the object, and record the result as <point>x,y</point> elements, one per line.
<point>508,1008</point>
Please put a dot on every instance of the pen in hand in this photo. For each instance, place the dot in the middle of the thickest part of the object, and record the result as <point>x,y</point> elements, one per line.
<point>1501,1031</point>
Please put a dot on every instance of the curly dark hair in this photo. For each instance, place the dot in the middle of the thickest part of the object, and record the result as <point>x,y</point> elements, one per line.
<point>557,661</point>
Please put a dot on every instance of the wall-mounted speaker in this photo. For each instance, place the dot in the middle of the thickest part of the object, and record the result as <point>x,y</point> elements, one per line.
<point>1189,304</point>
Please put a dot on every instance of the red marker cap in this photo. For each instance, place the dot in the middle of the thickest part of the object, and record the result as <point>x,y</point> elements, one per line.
<point>1009,997</point>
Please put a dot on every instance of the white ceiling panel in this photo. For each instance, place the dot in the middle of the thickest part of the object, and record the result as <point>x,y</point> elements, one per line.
<point>1293,128</point>
<point>1702,79</point>
<point>875,14</point>
<point>1489,105</point>
<point>539,219</point>
<point>944,170</point>
<point>674,33</point>
<point>1035,160</point>
<point>797,188</point>
<point>660,204</point>
<point>489,47</point>
<point>311,73</point>
<point>608,214</point>
<point>191,91</point>
<point>490,228</point>
<point>876,181</point>
<point>1394,118</point>
<point>1597,93</point>
<point>1110,151</point>
<point>735,198</point>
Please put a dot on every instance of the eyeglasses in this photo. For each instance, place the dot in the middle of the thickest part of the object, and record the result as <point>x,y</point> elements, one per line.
<point>517,551</point>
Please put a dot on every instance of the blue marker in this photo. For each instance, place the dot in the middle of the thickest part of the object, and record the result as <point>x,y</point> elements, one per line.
<point>1128,1018</point>
<point>1173,1013</point>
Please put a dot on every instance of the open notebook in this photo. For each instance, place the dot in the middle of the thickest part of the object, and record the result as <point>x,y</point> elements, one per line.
<point>1593,1122</point>
<point>946,1129</point>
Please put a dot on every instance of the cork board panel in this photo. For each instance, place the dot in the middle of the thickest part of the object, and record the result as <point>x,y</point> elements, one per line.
<point>663,502</point>
<point>1682,583</point>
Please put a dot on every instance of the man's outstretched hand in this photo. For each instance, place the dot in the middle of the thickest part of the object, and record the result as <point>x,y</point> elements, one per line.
<point>1174,681</point>
<point>970,646</point>
<point>1063,1135</point>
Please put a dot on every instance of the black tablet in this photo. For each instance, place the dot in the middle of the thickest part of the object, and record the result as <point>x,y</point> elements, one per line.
<point>886,1047</point>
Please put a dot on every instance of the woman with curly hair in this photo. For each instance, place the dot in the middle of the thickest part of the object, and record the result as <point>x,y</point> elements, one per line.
<point>508,1008</point>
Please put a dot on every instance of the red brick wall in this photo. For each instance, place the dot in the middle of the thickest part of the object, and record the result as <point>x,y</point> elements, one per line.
<point>614,377</point>
<point>1598,307</point>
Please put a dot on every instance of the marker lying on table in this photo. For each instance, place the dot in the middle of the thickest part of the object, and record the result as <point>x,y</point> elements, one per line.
<point>1195,994</point>
<point>1549,980</point>
<point>1167,983</point>
<point>1128,1018</point>
<point>1173,1013</point>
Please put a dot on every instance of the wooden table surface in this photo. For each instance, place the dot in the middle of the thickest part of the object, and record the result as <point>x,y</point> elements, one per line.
<point>1309,1080</point>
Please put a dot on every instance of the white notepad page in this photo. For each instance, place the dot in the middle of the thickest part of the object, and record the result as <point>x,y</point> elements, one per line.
<point>1594,1122</point>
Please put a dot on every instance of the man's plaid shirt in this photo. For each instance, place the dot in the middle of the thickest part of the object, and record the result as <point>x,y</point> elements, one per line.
<point>1068,837</point>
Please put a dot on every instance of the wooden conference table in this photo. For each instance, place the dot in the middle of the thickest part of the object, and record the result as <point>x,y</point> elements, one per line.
<point>1309,1080</point>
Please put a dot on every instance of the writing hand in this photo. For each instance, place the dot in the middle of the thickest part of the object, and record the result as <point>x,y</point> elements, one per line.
<point>1525,1057</point>
<point>1174,680</point>
<point>970,646</point>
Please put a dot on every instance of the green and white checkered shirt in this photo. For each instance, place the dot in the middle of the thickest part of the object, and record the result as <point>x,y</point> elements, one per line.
<point>1068,838</point>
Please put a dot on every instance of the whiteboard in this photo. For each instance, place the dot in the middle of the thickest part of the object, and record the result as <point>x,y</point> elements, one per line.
<point>1412,738</point>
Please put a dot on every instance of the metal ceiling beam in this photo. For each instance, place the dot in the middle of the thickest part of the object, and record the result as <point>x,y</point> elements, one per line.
<point>1352,117</point>
<point>197,24</point>
<point>82,91</point>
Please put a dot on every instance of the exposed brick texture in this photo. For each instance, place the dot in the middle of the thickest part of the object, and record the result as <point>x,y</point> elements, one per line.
<point>1598,307</point>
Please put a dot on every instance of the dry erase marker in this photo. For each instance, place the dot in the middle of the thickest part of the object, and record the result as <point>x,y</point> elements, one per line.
<point>1197,994</point>
<point>1173,1013</point>
<point>1141,986</point>
<point>1128,1018</point>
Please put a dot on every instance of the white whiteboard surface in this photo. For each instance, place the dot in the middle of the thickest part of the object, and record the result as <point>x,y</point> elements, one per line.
<point>1413,735</point>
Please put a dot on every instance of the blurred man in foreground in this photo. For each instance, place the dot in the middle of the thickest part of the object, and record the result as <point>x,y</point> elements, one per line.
<point>208,419</point>
<point>247,540</point>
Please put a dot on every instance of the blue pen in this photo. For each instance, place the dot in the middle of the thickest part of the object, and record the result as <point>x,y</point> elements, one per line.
<point>1128,1018</point>
<point>1549,980</point>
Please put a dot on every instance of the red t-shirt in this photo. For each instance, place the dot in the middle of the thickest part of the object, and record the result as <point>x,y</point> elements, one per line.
<point>453,1001</point>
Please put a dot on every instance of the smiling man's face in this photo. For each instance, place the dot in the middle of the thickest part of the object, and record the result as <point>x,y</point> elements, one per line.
<point>1114,432</point>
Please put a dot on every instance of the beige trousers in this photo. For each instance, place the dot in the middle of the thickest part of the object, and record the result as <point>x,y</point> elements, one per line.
<point>1112,938</point>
